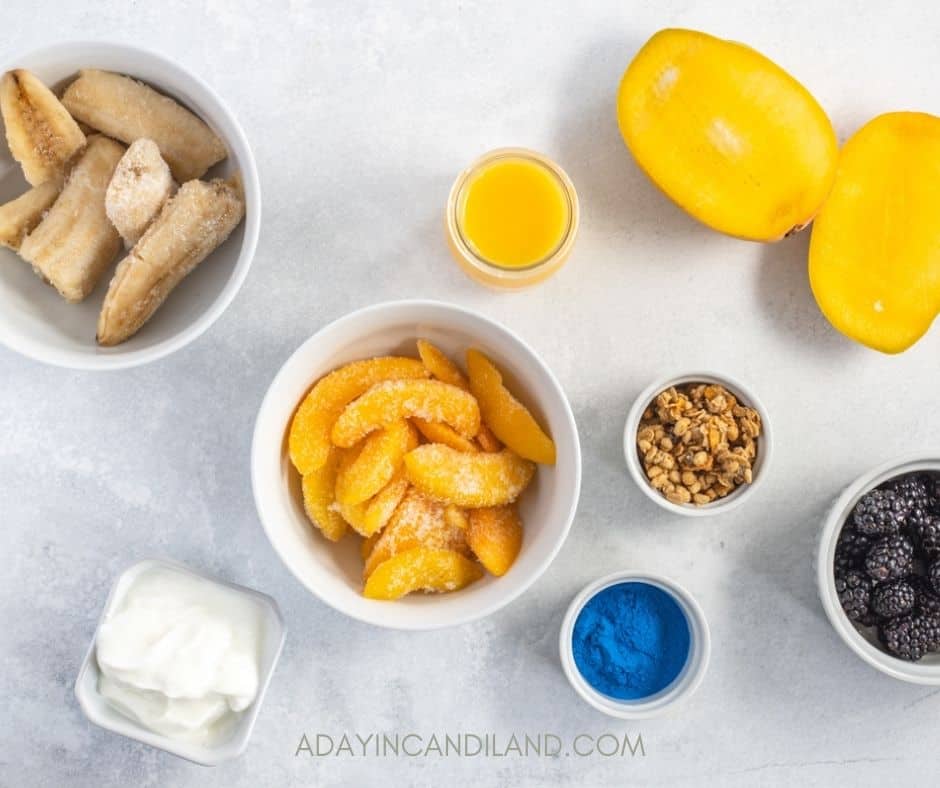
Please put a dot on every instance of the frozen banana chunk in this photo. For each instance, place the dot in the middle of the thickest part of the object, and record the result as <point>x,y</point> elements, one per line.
<point>41,134</point>
<point>140,186</point>
<point>18,217</point>
<point>196,220</point>
<point>129,110</point>
<point>75,243</point>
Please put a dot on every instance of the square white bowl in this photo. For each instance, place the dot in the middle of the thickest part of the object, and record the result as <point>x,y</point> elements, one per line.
<point>102,714</point>
<point>35,320</point>
<point>333,572</point>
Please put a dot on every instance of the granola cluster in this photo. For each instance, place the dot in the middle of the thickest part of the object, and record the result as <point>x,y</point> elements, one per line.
<point>697,443</point>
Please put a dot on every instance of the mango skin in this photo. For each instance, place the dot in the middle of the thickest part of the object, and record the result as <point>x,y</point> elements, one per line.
<point>874,255</point>
<point>727,134</point>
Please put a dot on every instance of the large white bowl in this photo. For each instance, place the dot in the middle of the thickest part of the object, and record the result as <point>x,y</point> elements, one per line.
<point>35,320</point>
<point>865,642</point>
<point>333,572</point>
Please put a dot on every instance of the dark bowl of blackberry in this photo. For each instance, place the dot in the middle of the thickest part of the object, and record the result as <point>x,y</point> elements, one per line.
<point>879,569</point>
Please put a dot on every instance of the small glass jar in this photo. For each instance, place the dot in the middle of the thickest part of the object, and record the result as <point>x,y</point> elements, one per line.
<point>491,272</point>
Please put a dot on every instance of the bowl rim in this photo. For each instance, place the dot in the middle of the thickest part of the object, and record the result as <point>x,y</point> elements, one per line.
<point>201,754</point>
<point>838,513</point>
<point>257,459</point>
<point>746,395</point>
<point>115,360</point>
<point>681,688</point>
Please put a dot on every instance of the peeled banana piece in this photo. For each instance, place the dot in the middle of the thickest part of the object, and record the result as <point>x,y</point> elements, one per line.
<point>41,134</point>
<point>18,217</point>
<point>196,220</point>
<point>140,186</point>
<point>75,243</point>
<point>129,110</point>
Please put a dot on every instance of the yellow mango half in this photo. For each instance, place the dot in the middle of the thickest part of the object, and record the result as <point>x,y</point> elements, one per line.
<point>727,134</point>
<point>874,256</point>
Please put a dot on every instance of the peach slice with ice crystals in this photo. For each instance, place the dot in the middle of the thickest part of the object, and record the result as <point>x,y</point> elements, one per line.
<point>471,480</point>
<point>495,536</point>
<point>370,517</point>
<point>374,465</point>
<point>509,419</point>
<point>417,522</point>
<point>438,432</point>
<point>318,489</point>
<point>421,569</point>
<point>393,400</point>
<point>309,438</point>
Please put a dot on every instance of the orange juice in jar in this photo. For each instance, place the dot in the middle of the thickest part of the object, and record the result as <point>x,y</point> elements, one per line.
<point>512,218</point>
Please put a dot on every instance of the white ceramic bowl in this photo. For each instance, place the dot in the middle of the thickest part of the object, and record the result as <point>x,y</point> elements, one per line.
<point>865,643</point>
<point>765,444</point>
<point>333,572</point>
<point>36,321</point>
<point>671,696</point>
<point>102,714</point>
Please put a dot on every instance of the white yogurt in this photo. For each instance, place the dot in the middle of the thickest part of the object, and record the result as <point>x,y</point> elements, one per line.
<point>180,654</point>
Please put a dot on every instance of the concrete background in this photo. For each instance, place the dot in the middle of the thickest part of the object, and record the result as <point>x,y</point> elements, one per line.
<point>360,116</point>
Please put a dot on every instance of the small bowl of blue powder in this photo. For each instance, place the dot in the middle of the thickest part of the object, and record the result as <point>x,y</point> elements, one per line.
<point>634,644</point>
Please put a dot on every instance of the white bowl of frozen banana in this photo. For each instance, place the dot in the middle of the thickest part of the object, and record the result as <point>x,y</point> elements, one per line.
<point>101,313</point>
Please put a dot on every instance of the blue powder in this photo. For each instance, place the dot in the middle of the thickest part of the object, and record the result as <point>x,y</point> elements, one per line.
<point>631,640</point>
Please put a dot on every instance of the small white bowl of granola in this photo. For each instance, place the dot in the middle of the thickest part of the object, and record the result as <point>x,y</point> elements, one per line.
<point>698,444</point>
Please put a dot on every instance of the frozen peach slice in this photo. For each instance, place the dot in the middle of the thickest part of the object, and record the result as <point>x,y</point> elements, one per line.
<point>388,402</point>
<point>318,489</point>
<point>442,368</point>
<point>309,438</point>
<point>509,419</point>
<point>438,432</point>
<point>375,463</point>
<point>367,544</point>
<point>471,480</point>
<point>370,517</point>
<point>421,569</point>
<point>456,517</point>
<point>417,522</point>
<point>495,536</point>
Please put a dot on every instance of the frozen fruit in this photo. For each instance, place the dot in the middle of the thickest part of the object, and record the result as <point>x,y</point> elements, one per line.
<point>880,513</point>
<point>309,439</point>
<point>369,517</point>
<point>417,522</point>
<point>438,432</point>
<point>910,637</point>
<point>915,497</point>
<point>893,599</point>
<point>854,592</point>
<point>471,480</point>
<point>442,368</point>
<point>19,217</point>
<point>495,536</point>
<point>365,548</point>
<point>509,419</point>
<point>890,558</point>
<point>388,402</point>
<point>421,569</point>
<point>851,550</point>
<point>318,489</point>
<point>375,463</point>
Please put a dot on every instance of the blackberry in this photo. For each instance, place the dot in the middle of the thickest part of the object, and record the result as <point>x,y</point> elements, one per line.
<point>893,599</point>
<point>880,513</point>
<point>927,535</point>
<point>851,550</point>
<point>889,559</point>
<point>912,490</point>
<point>927,599</point>
<point>910,637</point>
<point>854,592</point>
<point>933,575</point>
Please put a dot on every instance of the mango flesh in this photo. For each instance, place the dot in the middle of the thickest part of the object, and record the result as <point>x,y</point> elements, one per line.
<point>874,256</point>
<point>727,134</point>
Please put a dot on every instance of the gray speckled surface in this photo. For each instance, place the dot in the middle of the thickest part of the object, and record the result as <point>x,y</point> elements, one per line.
<point>360,115</point>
